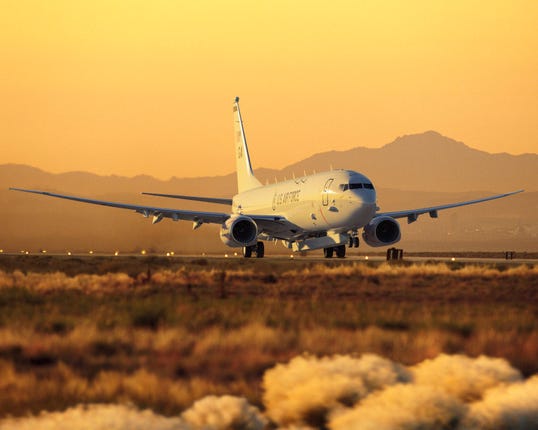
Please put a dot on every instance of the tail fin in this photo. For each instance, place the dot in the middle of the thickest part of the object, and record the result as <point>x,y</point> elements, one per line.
<point>245,177</point>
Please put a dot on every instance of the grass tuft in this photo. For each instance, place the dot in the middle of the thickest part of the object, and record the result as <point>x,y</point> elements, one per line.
<point>165,337</point>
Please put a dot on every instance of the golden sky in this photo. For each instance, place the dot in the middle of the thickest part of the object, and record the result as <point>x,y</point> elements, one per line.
<point>129,86</point>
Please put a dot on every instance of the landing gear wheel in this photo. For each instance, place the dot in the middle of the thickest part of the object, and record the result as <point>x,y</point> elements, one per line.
<point>340,251</point>
<point>355,242</point>
<point>351,241</point>
<point>328,252</point>
<point>247,251</point>
<point>260,250</point>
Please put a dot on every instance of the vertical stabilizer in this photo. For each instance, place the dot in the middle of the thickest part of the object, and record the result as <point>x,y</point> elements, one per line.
<point>245,177</point>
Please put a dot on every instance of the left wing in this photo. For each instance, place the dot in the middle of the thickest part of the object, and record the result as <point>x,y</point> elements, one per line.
<point>266,223</point>
<point>412,214</point>
<point>198,217</point>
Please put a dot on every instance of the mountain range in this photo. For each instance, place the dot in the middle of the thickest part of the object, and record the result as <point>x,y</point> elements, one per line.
<point>412,171</point>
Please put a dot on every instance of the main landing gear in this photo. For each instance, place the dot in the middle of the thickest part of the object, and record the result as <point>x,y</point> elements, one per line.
<point>340,251</point>
<point>258,249</point>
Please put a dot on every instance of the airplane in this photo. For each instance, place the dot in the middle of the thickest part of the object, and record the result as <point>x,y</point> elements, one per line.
<point>319,211</point>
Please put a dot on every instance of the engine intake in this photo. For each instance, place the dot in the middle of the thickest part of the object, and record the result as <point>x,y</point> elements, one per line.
<point>239,231</point>
<point>381,231</point>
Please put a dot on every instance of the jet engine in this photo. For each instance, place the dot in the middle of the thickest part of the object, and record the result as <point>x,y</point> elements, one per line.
<point>239,231</point>
<point>381,231</point>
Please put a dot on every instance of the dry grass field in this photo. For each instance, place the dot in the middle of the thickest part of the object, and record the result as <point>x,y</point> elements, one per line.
<point>154,333</point>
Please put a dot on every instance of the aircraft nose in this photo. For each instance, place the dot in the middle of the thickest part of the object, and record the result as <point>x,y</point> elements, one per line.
<point>364,205</point>
<point>364,197</point>
<point>369,197</point>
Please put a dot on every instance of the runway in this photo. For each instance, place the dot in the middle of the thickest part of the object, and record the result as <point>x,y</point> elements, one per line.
<point>287,260</point>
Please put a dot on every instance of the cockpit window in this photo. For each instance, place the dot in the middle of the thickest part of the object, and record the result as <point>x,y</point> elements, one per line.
<point>354,186</point>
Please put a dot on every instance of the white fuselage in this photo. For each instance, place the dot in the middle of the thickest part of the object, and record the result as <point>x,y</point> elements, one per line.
<point>320,202</point>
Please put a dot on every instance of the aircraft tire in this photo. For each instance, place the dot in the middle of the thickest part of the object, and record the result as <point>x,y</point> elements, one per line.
<point>260,250</point>
<point>247,251</point>
<point>340,251</point>
<point>355,242</point>
<point>328,252</point>
<point>351,241</point>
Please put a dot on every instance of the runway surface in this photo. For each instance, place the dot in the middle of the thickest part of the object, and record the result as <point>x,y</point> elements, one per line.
<point>237,258</point>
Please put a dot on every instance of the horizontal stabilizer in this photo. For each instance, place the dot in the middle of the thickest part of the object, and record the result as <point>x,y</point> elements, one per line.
<point>195,198</point>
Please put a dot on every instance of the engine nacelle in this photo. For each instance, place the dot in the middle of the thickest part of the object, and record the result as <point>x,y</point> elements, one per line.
<point>239,231</point>
<point>381,231</point>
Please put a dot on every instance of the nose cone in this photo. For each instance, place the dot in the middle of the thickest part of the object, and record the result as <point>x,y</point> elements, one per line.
<point>368,197</point>
<point>363,193</point>
<point>369,203</point>
<point>363,206</point>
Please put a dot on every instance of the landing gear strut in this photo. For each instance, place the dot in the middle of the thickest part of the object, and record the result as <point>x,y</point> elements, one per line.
<point>340,251</point>
<point>247,251</point>
<point>258,249</point>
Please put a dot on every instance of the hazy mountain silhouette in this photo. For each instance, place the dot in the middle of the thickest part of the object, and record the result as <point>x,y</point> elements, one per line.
<point>413,171</point>
<point>422,162</point>
<point>431,162</point>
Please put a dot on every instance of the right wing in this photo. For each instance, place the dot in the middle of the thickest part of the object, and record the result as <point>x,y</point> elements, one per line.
<point>412,214</point>
<point>198,217</point>
<point>195,198</point>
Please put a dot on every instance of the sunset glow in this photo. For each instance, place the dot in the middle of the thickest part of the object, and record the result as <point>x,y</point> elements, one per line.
<point>136,87</point>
